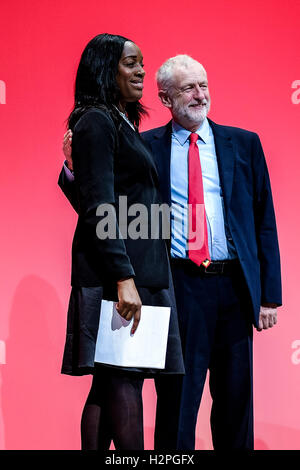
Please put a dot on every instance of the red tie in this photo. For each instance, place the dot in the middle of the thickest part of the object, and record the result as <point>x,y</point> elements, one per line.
<point>198,239</point>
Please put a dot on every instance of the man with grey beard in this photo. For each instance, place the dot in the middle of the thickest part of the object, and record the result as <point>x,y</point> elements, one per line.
<point>229,278</point>
<point>235,281</point>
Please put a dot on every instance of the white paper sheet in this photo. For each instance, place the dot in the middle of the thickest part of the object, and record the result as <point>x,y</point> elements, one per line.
<point>146,348</point>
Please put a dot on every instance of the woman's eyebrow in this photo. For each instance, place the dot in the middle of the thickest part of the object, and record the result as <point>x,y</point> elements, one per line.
<point>131,57</point>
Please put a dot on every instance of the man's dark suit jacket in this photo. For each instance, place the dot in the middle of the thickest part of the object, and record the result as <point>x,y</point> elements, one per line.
<point>248,204</point>
<point>109,162</point>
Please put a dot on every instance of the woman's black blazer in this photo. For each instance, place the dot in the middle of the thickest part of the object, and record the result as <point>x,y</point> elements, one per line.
<point>111,161</point>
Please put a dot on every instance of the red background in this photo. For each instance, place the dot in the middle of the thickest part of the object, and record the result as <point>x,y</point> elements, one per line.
<point>250,50</point>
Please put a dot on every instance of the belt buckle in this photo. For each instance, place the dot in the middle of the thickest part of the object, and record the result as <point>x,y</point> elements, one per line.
<point>221,271</point>
<point>206,269</point>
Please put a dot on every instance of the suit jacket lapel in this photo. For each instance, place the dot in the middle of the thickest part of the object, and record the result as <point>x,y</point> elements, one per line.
<point>161,148</point>
<point>226,160</point>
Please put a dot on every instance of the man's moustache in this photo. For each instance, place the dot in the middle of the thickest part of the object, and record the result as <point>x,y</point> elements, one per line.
<point>197,104</point>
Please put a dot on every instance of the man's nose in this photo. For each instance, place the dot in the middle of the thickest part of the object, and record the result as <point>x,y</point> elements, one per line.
<point>199,93</point>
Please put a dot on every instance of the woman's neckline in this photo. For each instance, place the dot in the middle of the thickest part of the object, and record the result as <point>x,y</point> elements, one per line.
<point>125,118</point>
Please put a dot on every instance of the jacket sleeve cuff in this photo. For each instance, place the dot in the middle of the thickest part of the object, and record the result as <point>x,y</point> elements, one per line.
<point>69,174</point>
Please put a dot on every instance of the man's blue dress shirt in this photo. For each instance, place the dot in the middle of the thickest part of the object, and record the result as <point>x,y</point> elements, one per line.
<point>219,240</point>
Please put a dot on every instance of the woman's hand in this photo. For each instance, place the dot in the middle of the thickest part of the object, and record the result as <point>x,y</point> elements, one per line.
<point>67,148</point>
<point>129,304</point>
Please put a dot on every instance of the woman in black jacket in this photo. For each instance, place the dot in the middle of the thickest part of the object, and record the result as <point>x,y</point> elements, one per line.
<point>111,160</point>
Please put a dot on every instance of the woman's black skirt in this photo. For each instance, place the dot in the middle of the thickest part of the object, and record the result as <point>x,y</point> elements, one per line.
<point>82,330</point>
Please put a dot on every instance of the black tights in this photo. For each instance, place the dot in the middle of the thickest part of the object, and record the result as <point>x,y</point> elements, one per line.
<point>113,411</point>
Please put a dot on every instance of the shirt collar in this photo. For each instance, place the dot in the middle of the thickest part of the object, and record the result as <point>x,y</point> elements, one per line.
<point>182,134</point>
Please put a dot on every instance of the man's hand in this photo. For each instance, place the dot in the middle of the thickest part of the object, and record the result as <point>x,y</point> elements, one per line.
<point>267,317</point>
<point>67,148</point>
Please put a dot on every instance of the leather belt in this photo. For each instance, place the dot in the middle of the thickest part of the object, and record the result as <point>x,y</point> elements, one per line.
<point>215,267</point>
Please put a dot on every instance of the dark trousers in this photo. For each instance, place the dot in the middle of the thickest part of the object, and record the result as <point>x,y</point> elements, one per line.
<point>168,389</point>
<point>216,330</point>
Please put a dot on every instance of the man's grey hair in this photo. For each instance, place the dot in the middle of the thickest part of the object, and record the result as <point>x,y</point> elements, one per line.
<point>166,70</point>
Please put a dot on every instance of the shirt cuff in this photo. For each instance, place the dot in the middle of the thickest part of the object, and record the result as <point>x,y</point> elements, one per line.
<point>69,174</point>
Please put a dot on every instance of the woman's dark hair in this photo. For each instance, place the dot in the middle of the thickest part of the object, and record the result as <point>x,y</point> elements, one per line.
<point>96,84</point>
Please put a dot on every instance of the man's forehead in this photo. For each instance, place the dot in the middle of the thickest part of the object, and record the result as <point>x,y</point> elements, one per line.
<point>190,73</point>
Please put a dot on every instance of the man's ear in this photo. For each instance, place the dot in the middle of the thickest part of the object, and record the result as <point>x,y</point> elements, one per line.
<point>164,98</point>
